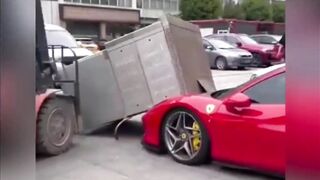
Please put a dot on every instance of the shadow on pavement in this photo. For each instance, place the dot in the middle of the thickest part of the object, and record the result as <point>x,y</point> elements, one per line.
<point>245,172</point>
<point>131,128</point>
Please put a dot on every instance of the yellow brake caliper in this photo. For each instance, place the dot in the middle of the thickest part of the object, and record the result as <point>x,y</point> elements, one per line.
<point>196,142</point>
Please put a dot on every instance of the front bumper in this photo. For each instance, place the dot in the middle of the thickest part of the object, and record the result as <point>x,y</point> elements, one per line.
<point>239,61</point>
<point>152,148</point>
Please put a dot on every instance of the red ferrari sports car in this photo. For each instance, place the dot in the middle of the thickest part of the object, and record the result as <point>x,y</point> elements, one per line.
<point>244,126</point>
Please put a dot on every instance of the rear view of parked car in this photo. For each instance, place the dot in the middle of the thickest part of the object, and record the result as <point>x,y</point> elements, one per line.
<point>223,55</point>
<point>262,53</point>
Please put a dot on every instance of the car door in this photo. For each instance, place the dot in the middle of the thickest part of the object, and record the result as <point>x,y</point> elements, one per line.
<point>254,136</point>
<point>211,52</point>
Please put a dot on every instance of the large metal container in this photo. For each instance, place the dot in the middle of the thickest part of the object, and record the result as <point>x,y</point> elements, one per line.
<point>141,69</point>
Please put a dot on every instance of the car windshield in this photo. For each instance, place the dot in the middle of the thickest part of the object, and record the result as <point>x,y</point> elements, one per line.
<point>247,40</point>
<point>220,44</point>
<point>277,38</point>
<point>61,38</point>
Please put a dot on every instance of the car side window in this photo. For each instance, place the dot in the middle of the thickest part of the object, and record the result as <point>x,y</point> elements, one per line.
<point>267,40</point>
<point>270,91</point>
<point>222,38</point>
<point>256,38</point>
<point>232,40</point>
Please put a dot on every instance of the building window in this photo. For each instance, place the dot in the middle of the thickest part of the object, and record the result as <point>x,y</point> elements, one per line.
<point>156,4</point>
<point>95,2</point>
<point>139,3</point>
<point>85,1</point>
<point>124,3</point>
<point>113,2</point>
<point>167,4</point>
<point>104,2</point>
<point>174,5</point>
<point>146,4</point>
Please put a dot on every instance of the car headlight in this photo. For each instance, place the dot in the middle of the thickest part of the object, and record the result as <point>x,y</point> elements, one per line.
<point>265,49</point>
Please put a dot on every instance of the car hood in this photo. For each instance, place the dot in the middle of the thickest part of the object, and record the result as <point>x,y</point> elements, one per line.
<point>79,52</point>
<point>234,52</point>
<point>257,47</point>
<point>261,72</point>
<point>198,102</point>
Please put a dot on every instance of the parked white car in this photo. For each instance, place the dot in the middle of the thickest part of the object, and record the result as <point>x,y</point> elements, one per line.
<point>58,36</point>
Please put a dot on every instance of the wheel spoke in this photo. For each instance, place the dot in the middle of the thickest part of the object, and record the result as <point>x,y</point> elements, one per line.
<point>177,149</point>
<point>172,135</point>
<point>191,145</point>
<point>191,129</point>
<point>171,127</point>
<point>187,148</point>
<point>180,121</point>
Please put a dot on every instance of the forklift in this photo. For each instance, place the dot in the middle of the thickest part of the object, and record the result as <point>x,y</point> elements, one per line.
<point>57,113</point>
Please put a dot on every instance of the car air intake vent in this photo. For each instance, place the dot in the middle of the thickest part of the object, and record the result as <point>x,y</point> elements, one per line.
<point>246,56</point>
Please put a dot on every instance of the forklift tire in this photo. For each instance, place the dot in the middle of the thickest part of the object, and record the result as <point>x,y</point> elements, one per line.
<point>55,126</point>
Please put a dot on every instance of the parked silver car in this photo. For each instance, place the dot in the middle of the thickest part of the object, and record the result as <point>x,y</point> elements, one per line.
<point>224,56</point>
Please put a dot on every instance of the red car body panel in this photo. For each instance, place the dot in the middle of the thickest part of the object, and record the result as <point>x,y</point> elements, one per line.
<point>41,98</point>
<point>254,138</point>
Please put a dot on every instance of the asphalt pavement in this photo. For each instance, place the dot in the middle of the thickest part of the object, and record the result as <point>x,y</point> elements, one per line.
<point>101,157</point>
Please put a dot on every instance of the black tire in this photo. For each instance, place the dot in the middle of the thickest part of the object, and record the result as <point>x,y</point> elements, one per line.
<point>221,63</point>
<point>241,68</point>
<point>55,109</point>
<point>203,154</point>
<point>257,60</point>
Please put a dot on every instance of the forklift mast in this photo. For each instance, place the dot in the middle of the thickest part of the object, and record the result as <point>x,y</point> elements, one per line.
<point>44,69</point>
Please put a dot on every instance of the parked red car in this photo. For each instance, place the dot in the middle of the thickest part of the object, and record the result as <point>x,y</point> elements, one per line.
<point>263,54</point>
<point>244,126</point>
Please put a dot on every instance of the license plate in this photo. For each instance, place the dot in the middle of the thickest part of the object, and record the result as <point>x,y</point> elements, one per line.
<point>246,60</point>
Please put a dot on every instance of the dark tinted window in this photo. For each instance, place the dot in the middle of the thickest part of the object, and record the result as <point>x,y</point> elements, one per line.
<point>257,38</point>
<point>266,40</point>
<point>270,91</point>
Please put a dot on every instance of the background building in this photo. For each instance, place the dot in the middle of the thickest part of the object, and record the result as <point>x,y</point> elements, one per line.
<point>105,19</point>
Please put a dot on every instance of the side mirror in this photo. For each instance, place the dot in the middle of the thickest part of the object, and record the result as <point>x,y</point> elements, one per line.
<point>209,48</point>
<point>239,44</point>
<point>239,100</point>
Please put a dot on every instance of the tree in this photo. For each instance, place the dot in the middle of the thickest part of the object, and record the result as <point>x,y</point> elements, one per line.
<point>257,10</point>
<point>233,11</point>
<point>200,9</point>
<point>278,10</point>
